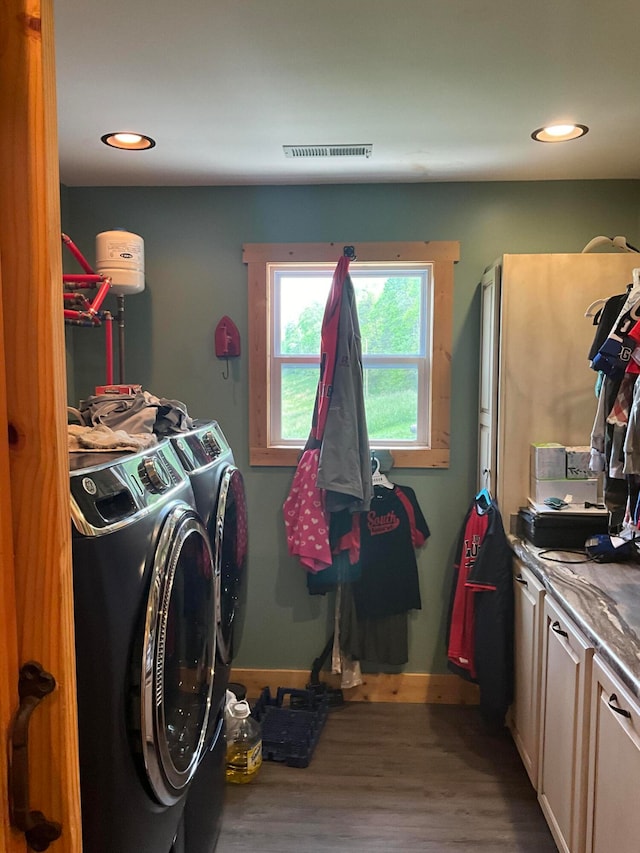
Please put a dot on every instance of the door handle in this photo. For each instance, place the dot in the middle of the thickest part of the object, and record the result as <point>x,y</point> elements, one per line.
<point>33,685</point>
<point>613,698</point>
<point>555,626</point>
<point>521,580</point>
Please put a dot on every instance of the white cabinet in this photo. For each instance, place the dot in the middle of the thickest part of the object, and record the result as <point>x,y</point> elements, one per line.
<point>535,380</point>
<point>613,813</point>
<point>525,711</point>
<point>566,674</point>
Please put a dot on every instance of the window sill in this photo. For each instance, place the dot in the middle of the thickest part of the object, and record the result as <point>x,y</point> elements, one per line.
<point>405,457</point>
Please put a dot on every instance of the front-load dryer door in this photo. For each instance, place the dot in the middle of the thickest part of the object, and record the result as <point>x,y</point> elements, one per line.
<point>230,548</point>
<point>179,652</point>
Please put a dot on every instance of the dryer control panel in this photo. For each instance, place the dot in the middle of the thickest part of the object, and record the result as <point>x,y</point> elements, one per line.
<point>200,447</point>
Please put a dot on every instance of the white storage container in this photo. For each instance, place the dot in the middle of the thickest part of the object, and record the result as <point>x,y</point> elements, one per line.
<point>578,463</point>
<point>548,461</point>
<point>580,490</point>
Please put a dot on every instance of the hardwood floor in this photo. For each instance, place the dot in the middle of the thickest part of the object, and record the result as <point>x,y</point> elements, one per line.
<point>392,777</point>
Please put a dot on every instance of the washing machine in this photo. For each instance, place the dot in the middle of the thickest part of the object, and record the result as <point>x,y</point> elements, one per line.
<point>219,497</point>
<point>145,592</point>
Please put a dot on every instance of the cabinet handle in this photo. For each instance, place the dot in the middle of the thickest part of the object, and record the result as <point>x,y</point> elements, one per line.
<point>555,626</point>
<point>521,580</point>
<point>33,685</point>
<point>621,711</point>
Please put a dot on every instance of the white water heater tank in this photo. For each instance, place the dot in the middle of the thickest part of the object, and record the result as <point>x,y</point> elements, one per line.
<point>120,255</point>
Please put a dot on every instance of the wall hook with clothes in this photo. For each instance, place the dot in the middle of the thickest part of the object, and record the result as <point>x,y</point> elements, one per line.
<point>480,620</point>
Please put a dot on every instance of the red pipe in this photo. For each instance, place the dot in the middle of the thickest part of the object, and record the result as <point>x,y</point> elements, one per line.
<point>78,301</point>
<point>87,318</point>
<point>77,254</point>
<point>80,277</point>
<point>108,331</point>
<point>100,295</point>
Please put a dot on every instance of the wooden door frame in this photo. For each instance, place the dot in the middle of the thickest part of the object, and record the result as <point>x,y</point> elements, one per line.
<point>9,841</point>
<point>35,421</point>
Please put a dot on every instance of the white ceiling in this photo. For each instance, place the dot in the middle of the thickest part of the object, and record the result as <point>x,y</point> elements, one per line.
<point>445,90</point>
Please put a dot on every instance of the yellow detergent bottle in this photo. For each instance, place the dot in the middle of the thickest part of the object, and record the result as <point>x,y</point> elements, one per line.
<point>244,744</point>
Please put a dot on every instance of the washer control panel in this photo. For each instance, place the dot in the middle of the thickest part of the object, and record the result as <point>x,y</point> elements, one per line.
<point>154,475</point>
<point>113,493</point>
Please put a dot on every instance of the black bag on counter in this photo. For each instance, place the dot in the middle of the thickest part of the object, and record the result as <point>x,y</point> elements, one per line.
<point>559,530</point>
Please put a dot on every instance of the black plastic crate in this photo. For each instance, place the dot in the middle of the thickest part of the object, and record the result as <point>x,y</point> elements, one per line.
<point>290,731</point>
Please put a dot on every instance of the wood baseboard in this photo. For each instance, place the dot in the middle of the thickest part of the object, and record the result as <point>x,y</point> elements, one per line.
<point>413,687</point>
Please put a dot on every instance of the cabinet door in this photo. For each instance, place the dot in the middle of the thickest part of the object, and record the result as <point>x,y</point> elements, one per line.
<point>525,712</point>
<point>613,816</point>
<point>565,683</point>
<point>488,396</point>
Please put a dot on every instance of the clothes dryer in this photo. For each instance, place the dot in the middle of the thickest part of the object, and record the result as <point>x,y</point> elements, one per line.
<point>145,624</point>
<point>218,490</point>
<point>220,499</point>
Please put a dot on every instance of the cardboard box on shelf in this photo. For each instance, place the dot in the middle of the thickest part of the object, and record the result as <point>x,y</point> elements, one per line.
<point>578,463</point>
<point>580,490</point>
<point>548,461</point>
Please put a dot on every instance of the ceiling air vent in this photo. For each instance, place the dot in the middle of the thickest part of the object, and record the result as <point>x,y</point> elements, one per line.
<point>327,150</point>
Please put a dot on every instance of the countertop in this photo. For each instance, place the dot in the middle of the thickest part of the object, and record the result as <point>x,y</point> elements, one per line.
<point>602,599</point>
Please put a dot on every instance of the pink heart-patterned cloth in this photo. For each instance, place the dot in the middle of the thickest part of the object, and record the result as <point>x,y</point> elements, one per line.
<point>305,519</point>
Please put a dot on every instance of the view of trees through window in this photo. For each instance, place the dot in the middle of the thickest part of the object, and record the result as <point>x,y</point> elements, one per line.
<point>391,311</point>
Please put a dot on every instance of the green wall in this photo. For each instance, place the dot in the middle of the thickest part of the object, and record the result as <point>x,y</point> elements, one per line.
<point>194,272</point>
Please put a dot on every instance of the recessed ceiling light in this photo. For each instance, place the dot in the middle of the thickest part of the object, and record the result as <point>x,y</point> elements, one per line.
<point>559,132</point>
<point>128,141</point>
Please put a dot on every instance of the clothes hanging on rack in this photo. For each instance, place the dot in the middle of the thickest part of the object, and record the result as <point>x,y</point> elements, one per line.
<point>612,353</point>
<point>339,427</point>
<point>481,612</point>
<point>604,321</point>
<point>378,592</point>
<point>305,519</point>
<point>390,532</point>
<point>375,609</point>
<point>384,640</point>
<point>333,472</point>
<point>615,351</point>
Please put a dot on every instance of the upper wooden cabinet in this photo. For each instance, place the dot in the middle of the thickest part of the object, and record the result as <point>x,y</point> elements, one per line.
<point>536,384</point>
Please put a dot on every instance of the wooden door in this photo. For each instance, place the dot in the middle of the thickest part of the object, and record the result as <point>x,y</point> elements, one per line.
<point>9,841</point>
<point>35,536</point>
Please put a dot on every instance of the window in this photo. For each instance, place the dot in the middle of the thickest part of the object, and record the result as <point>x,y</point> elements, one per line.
<point>404,297</point>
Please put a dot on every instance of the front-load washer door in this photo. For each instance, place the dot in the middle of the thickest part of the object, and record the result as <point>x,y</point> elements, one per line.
<point>230,548</point>
<point>179,650</point>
